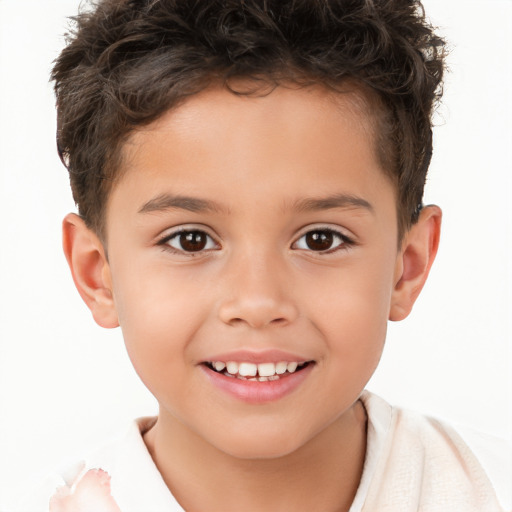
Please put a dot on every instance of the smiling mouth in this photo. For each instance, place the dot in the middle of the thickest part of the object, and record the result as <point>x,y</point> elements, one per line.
<point>262,372</point>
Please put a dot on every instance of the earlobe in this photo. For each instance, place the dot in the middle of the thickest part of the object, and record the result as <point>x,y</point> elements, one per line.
<point>90,269</point>
<point>414,262</point>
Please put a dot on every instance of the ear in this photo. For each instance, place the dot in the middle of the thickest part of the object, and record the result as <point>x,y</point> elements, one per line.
<point>90,269</point>
<point>417,254</point>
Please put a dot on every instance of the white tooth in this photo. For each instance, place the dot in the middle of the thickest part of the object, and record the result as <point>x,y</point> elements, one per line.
<point>263,379</point>
<point>247,369</point>
<point>228,375</point>
<point>219,365</point>
<point>241,377</point>
<point>232,367</point>
<point>266,369</point>
<point>281,368</point>
<point>291,367</point>
<point>274,377</point>
<point>254,379</point>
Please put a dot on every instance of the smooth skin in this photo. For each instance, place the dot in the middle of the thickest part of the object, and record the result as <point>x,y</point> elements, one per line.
<point>256,182</point>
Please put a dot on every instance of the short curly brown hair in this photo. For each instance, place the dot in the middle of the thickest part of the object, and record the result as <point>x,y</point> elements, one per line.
<point>129,61</point>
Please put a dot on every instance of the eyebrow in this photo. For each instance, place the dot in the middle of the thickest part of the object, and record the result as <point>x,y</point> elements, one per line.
<point>334,201</point>
<point>164,202</point>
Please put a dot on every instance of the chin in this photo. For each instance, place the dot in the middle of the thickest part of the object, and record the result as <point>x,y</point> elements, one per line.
<point>259,451</point>
<point>261,445</point>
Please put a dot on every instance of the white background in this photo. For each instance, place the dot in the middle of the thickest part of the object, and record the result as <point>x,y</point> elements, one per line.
<point>66,384</point>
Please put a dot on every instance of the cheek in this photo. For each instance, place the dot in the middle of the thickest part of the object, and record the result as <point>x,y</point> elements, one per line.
<point>158,314</point>
<point>357,293</point>
<point>151,295</point>
<point>350,306</point>
<point>357,335</point>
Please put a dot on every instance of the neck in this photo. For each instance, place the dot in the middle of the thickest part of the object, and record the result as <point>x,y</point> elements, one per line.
<point>322,475</point>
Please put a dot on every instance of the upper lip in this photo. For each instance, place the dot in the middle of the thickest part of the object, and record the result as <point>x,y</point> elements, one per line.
<point>257,357</point>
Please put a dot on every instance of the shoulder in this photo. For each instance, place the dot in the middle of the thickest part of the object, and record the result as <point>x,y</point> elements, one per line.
<point>428,460</point>
<point>495,456</point>
<point>121,474</point>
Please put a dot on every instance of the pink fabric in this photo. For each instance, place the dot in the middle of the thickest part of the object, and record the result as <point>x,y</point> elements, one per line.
<point>90,491</point>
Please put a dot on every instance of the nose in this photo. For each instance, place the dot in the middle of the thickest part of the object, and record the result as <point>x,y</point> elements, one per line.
<point>257,294</point>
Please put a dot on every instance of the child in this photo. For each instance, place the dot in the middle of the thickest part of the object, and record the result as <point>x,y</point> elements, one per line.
<point>249,178</point>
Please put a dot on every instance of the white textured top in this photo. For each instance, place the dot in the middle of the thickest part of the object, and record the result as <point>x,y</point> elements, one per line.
<point>413,463</point>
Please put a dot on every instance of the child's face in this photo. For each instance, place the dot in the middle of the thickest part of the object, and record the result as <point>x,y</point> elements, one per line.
<point>258,230</point>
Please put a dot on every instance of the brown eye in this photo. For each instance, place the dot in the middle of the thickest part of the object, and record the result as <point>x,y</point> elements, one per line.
<point>191,241</point>
<point>194,241</point>
<point>321,240</point>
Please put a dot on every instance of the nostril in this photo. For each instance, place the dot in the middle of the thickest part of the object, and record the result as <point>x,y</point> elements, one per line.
<point>278,321</point>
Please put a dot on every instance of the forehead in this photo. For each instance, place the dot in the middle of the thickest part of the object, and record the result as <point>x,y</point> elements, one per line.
<point>277,144</point>
<point>286,100</point>
<point>264,113</point>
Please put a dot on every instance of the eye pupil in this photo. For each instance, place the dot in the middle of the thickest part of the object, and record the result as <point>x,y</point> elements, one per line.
<point>192,241</point>
<point>319,240</point>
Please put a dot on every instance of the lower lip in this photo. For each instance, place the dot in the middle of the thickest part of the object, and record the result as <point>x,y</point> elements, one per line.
<point>255,392</point>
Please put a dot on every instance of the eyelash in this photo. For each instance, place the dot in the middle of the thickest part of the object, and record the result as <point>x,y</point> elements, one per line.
<point>344,241</point>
